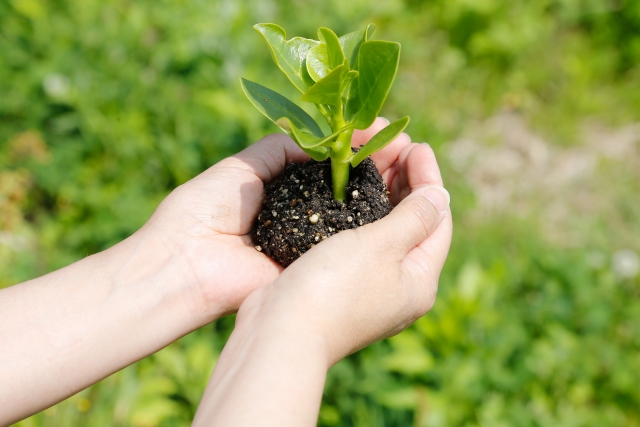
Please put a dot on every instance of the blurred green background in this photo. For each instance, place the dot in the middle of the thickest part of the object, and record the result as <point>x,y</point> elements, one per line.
<point>533,108</point>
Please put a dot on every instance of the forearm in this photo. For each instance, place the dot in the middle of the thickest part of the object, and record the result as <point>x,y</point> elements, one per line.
<point>64,331</point>
<point>271,373</point>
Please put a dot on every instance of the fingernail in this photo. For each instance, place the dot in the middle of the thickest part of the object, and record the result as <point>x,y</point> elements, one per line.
<point>438,196</point>
<point>385,119</point>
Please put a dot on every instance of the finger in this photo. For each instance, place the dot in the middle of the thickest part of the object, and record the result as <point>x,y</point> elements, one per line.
<point>388,156</point>
<point>431,254</point>
<point>268,157</point>
<point>385,158</point>
<point>361,137</point>
<point>416,167</point>
<point>423,264</point>
<point>411,222</point>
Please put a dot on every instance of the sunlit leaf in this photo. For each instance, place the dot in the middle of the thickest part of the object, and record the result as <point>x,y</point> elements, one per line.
<point>380,140</point>
<point>377,64</point>
<point>306,140</point>
<point>289,55</point>
<point>334,48</point>
<point>318,153</point>
<point>329,89</point>
<point>275,106</point>
<point>350,44</point>
<point>318,62</point>
<point>326,56</point>
<point>352,100</point>
<point>369,31</point>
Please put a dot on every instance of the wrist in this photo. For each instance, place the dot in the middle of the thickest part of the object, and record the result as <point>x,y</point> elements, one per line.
<point>269,313</point>
<point>296,324</point>
<point>273,366</point>
<point>147,267</point>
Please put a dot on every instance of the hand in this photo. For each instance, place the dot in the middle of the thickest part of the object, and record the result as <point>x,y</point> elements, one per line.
<point>392,162</point>
<point>354,288</point>
<point>204,225</point>
<point>366,284</point>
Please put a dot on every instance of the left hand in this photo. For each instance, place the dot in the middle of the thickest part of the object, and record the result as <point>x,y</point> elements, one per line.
<point>205,225</point>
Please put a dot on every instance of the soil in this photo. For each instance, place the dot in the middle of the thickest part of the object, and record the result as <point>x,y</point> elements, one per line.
<point>299,210</point>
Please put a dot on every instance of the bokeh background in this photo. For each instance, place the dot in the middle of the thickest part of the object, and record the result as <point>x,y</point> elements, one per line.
<point>533,108</point>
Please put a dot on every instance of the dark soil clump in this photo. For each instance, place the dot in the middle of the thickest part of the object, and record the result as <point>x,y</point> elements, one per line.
<point>299,210</point>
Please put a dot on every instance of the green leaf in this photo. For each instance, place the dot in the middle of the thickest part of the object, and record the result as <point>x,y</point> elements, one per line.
<point>380,140</point>
<point>334,49</point>
<point>317,153</point>
<point>370,29</point>
<point>352,101</point>
<point>350,44</point>
<point>350,96</point>
<point>349,77</point>
<point>328,90</point>
<point>326,56</point>
<point>274,106</point>
<point>289,55</point>
<point>318,62</point>
<point>306,140</point>
<point>377,63</point>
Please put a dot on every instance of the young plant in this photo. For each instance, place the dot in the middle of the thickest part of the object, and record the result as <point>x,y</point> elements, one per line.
<point>347,78</point>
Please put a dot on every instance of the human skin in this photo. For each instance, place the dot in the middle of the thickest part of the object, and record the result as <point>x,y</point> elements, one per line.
<point>191,263</point>
<point>359,287</point>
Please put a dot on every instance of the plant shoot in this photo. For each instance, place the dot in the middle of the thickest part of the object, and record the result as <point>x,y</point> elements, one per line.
<point>347,78</point>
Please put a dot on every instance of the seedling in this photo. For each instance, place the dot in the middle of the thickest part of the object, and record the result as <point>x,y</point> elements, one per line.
<point>347,78</point>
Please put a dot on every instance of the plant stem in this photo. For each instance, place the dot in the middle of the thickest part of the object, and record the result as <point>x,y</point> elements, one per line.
<point>340,154</point>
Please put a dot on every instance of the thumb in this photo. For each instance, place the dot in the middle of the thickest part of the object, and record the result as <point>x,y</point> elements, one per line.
<point>414,219</point>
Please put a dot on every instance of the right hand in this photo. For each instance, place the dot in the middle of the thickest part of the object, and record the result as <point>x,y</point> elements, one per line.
<point>366,284</point>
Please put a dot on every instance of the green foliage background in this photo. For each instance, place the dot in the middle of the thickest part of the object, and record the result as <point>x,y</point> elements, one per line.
<point>105,106</point>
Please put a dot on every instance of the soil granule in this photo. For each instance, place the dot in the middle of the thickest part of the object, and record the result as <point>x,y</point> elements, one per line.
<point>299,210</point>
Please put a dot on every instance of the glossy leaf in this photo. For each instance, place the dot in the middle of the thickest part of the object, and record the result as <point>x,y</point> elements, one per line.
<point>351,100</point>
<point>380,140</point>
<point>350,95</point>
<point>329,89</point>
<point>318,154</point>
<point>334,48</point>
<point>318,62</point>
<point>275,106</point>
<point>306,77</point>
<point>377,64</point>
<point>306,140</point>
<point>350,44</point>
<point>326,56</point>
<point>369,31</point>
<point>289,55</point>
<point>349,77</point>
